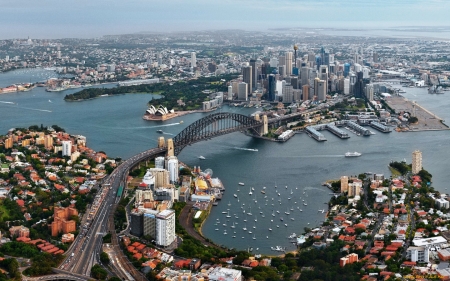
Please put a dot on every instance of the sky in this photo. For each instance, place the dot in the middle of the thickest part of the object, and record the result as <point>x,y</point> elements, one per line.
<point>94,18</point>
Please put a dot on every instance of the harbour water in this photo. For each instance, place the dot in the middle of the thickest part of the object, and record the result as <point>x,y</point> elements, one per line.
<point>115,125</point>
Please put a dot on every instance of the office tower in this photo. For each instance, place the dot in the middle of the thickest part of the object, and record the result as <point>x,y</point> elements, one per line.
<point>296,95</point>
<point>287,93</point>
<point>321,90</point>
<point>66,148</point>
<point>282,70</point>
<point>253,73</point>
<point>165,228</point>
<point>265,71</point>
<point>272,87</point>
<point>159,162</point>
<point>281,60</point>
<point>288,63</point>
<point>346,86</point>
<point>344,184</point>
<point>193,60</point>
<point>375,57</point>
<point>318,62</point>
<point>346,69</point>
<point>137,222</point>
<point>242,91</point>
<point>332,68</point>
<point>366,73</point>
<point>172,166</point>
<point>273,62</point>
<point>311,57</point>
<point>357,67</point>
<point>358,88</point>
<point>247,78</point>
<point>305,92</point>
<point>416,162</point>
<point>323,75</point>
<point>299,63</point>
<point>358,59</point>
<point>304,75</point>
<point>230,92</point>
<point>369,92</point>
<point>294,82</point>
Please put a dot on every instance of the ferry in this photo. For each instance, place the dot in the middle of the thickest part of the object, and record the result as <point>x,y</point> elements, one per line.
<point>201,157</point>
<point>352,154</point>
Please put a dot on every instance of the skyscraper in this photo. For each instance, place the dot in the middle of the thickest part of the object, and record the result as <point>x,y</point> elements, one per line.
<point>304,74</point>
<point>305,92</point>
<point>288,63</point>
<point>272,87</point>
<point>358,88</point>
<point>193,60</point>
<point>172,166</point>
<point>321,90</point>
<point>287,93</point>
<point>346,69</point>
<point>247,78</point>
<point>416,161</point>
<point>254,71</point>
<point>242,91</point>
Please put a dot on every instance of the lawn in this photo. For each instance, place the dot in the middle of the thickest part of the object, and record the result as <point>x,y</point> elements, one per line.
<point>3,211</point>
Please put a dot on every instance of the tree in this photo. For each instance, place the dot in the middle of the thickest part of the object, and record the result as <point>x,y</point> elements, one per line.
<point>98,272</point>
<point>104,258</point>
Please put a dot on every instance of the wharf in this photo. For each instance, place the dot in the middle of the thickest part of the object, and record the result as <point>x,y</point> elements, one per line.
<point>427,121</point>
<point>312,132</point>
<point>380,127</point>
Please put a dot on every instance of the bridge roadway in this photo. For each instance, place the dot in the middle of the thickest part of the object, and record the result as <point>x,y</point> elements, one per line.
<point>87,247</point>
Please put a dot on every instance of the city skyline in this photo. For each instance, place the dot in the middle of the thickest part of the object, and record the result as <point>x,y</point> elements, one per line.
<point>85,19</point>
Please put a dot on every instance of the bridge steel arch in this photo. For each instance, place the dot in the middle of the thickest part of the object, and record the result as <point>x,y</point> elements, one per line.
<point>211,126</point>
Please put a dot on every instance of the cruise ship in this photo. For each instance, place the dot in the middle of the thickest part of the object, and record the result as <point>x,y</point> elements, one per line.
<point>352,154</point>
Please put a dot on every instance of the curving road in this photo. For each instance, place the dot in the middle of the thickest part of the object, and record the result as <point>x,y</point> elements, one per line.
<point>86,249</point>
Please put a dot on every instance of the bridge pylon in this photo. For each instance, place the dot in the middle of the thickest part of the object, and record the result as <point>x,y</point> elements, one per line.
<point>161,142</point>
<point>170,148</point>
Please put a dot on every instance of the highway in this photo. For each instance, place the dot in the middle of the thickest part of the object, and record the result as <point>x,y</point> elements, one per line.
<point>85,250</point>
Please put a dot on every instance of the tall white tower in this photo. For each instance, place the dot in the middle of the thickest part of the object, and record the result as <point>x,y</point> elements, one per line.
<point>66,148</point>
<point>416,161</point>
<point>193,59</point>
<point>165,228</point>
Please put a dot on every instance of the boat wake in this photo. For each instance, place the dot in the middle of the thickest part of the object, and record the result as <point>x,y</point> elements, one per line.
<point>144,127</point>
<point>7,102</point>
<point>35,109</point>
<point>247,149</point>
<point>314,156</point>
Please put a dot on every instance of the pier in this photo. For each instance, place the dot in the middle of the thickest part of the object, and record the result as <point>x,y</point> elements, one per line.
<point>338,132</point>
<point>380,127</point>
<point>359,129</point>
<point>312,132</point>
